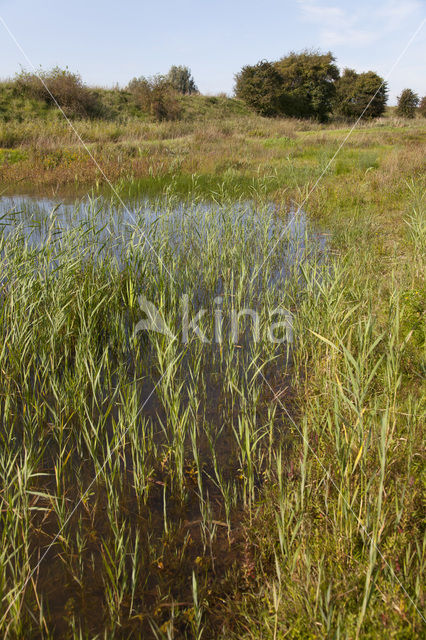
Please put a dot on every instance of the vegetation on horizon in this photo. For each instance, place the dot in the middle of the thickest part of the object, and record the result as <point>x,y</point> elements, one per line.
<point>59,87</point>
<point>300,85</point>
<point>182,80</point>
<point>360,95</point>
<point>408,102</point>
<point>309,85</point>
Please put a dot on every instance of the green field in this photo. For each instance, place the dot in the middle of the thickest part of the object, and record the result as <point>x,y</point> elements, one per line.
<point>239,489</point>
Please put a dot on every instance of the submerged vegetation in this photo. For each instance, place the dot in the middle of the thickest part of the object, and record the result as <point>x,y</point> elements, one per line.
<point>154,486</point>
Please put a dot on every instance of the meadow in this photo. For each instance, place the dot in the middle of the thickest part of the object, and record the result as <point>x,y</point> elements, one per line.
<point>159,487</point>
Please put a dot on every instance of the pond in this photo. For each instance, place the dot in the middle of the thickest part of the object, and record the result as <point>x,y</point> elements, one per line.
<point>112,223</point>
<point>242,252</point>
<point>166,435</point>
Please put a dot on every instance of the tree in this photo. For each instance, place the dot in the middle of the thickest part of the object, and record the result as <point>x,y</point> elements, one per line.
<point>407,104</point>
<point>308,80</point>
<point>156,96</point>
<point>299,85</point>
<point>181,80</point>
<point>422,107</point>
<point>260,86</point>
<point>360,95</point>
<point>164,105</point>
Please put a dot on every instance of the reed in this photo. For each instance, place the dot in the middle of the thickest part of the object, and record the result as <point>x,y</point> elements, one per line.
<point>154,486</point>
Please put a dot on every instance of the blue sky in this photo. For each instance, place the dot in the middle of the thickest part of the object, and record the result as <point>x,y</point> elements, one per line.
<point>111,42</point>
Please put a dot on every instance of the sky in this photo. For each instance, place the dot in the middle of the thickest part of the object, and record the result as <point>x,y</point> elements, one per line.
<point>109,43</point>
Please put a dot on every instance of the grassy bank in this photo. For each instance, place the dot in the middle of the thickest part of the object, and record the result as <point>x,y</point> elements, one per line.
<point>205,490</point>
<point>217,142</point>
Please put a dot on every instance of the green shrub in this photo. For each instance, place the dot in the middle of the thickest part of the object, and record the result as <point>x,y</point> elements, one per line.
<point>422,107</point>
<point>407,104</point>
<point>182,81</point>
<point>299,85</point>
<point>360,95</point>
<point>308,80</point>
<point>156,96</point>
<point>260,86</point>
<point>59,87</point>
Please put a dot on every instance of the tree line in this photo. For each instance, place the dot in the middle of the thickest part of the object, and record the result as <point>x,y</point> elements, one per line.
<point>301,85</point>
<point>310,85</point>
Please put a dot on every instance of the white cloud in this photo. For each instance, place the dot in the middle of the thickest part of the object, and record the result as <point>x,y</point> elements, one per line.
<point>395,11</point>
<point>360,26</point>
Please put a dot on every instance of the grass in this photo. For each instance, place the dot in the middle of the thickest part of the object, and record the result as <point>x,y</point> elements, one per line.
<point>204,490</point>
<point>277,157</point>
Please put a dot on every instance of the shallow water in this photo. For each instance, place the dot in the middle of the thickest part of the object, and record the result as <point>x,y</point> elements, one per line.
<point>161,407</point>
<point>110,223</point>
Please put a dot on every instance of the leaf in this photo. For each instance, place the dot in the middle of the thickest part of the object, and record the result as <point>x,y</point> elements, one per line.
<point>324,340</point>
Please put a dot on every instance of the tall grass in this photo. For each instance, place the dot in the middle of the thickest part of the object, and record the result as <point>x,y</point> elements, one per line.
<point>159,487</point>
<point>241,157</point>
<point>340,533</point>
<point>126,457</point>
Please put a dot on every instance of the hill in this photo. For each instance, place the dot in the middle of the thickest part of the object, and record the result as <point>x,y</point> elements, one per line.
<point>116,104</point>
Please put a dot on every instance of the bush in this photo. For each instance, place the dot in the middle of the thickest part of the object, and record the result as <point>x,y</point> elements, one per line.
<point>407,104</point>
<point>59,87</point>
<point>140,88</point>
<point>308,84</point>
<point>260,86</point>
<point>180,78</point>
<point>422,107</point>
<point>300,85</point>
<point>354,91</point>
<point>156,96</point>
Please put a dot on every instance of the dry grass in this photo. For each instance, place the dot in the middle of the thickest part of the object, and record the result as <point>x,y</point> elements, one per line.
<point>247,147</point>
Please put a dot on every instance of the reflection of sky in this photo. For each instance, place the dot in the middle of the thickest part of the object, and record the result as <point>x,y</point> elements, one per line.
<point>272,240</point>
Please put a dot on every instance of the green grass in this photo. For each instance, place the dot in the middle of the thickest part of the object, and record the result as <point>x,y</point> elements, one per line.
<point>12,155</point>
<point>14,106</point>
<point>252,496</point>
<point>277,157</point>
